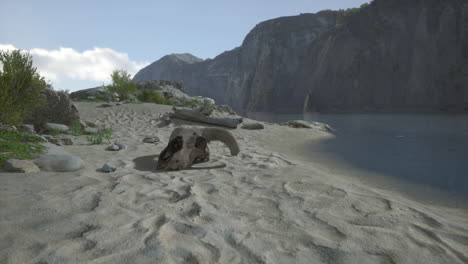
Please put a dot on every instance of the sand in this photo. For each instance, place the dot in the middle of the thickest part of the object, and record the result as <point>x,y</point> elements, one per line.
<point>269,204</point>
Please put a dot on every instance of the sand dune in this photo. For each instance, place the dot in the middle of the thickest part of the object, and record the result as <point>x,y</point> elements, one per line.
<point>262,206</point>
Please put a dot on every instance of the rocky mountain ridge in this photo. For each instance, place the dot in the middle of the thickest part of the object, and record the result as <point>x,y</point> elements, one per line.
<point>391,55</point>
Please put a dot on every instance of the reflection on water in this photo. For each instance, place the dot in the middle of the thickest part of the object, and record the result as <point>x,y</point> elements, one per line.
<point>423,149</point>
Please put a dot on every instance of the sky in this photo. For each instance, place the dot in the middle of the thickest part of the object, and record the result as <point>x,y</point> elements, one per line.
<point>77,44</point>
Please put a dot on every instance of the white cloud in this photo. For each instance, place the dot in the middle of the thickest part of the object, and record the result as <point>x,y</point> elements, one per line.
<point>66,64</point>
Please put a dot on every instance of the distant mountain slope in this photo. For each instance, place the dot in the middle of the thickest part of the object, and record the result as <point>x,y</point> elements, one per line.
<point>392,55</point>
<point>169,64</point>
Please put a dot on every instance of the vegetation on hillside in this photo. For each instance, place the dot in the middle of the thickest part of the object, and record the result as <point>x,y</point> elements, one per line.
<point>345,14</point>
<point>122,84</point>
<point>20,87</point>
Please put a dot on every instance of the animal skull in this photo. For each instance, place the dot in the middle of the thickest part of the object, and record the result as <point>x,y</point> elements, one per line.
<point>188,146</point>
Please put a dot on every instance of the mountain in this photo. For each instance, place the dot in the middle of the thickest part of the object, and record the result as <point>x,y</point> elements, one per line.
<point>390,55</point>
<point>167,65</point>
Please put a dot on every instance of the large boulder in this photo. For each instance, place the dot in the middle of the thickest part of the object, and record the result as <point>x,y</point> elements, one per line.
<point>97,93</point>
<point>58,109</point>
<point>24,166</point>
<point>58,160</point>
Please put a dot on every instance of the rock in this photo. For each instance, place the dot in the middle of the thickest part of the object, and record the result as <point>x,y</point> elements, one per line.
<point>195,116</point>
<point>58,160</point>
<point>298,124</point>
<point>97,93</point>
<point>108,168</point>
<point>90,130</point>
<point>28,129</point>
<point>54,126</point>
<point>106,105</point>
<point>113,147</point>
<point>151,140</point>
<point>59,109</point>
<point>252,126</point>
<point>121,146</point>
<point>66,141</point>
<point>24,166</point>
<point>7,128</point>
<point>90,124</point>
<point>52,140</point>
<point>305,124</point>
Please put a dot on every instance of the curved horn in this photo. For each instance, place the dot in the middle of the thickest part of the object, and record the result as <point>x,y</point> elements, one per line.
<point>214,133</point>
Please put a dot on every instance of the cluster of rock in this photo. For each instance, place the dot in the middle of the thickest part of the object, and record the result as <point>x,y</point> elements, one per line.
<point>171,90</point>
<point>57,114</point>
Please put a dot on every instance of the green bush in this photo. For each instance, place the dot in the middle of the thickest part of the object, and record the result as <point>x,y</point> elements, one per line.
<point>97,138</point>
<point>20,87</point>
<point>150,96</point>
<point>122,84</point>
<point>76,128</point>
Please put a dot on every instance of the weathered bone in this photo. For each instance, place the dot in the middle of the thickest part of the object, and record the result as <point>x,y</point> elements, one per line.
<point>188,146</point>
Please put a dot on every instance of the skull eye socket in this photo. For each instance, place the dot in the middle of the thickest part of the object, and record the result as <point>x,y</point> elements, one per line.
<point>201,143</point>
<point>174,146</point>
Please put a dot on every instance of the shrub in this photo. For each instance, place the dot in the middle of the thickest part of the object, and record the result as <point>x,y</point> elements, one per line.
<point>76,128</point>
<point>97,138</point>
<point>14,145</point>
<point>150,96</point>
<point>121,84</point>
<point>20,87</point>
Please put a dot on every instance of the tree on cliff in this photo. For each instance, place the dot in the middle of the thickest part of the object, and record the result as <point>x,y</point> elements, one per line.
<point>122,84</point>
<point>20,87</point>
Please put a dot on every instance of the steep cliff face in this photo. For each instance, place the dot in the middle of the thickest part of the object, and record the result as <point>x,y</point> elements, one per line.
<point>390,55</point>
<point>260,74</point>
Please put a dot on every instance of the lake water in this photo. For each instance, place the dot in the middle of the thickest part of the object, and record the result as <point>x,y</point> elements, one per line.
<point>424,150</point>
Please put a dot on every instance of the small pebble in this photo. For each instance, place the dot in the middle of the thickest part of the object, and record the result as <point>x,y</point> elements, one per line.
<point>107,168</point>
<point>151,140</point>
<point>113,147</point>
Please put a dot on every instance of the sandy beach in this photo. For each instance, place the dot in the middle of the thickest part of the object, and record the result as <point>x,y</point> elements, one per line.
<point>269,204</point>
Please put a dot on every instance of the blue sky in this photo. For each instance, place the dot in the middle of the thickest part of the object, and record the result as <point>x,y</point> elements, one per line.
<point>77,43</point>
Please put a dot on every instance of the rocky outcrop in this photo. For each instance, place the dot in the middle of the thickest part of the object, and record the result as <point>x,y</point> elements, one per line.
<point>172,90</point>
<point>57,109</point>
<point>391,55</point>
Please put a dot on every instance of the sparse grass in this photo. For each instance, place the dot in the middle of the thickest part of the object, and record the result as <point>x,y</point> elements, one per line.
<point>150,96</point>
<point>54,132</point>
<point>14,145</point>
<point>76,129</point>
<point>96,139</point>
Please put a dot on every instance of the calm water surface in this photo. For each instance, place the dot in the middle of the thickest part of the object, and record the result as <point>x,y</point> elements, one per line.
<point>423,149</point>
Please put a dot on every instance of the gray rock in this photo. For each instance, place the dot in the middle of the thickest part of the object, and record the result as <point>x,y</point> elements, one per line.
<point>52,140</point>
<point>90,124</point>
<point>58,160</point>
<point>7,128</point>
<point>90,130</point>
<point>151,140</point>
<point>28,129</point>
<point>24,166</point>
<point>108,168</point>
<point>121,146</point>
<point>252,126</point>
<point>113,147</point>
<point>106,105</point>
<point>59,109</point>
<point>298,124</point>
<point>54,126</point>
<point>66,141</point>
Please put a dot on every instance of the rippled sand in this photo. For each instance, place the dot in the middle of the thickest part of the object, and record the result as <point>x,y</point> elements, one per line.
<point>263,206</point>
